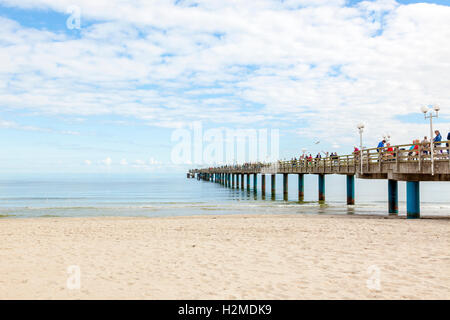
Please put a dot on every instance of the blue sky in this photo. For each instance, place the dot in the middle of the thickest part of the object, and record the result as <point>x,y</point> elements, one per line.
<point>108,96</point>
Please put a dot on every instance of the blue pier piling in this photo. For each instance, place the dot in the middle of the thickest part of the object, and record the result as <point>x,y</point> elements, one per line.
<point>413,199</point>
<point>263,185</point>
<point>350,189</point>
<point>248,181</point>
<point>393,197</point>
<point>301,187</point>
<point>255,182</point>
<point>285,186</point>
<point>237,181</point>
<point>233,182</point>
<point>321,187</point>
<point>242,181</point>
<point>272,178</point>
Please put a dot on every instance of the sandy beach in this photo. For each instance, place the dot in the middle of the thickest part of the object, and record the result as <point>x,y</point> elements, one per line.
<point>225,257</point>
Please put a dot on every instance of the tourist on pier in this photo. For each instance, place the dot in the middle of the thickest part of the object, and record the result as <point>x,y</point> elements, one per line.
<point>438,138</point>
<point>381,145</point>
<point>318,157</point>
<point>356,153</point>
<point>334,157</point>
<point>390,154</point>
<point>413,150</point>
<point>425,144</point>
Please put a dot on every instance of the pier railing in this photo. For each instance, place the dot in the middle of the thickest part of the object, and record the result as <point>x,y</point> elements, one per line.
<point>419,153</point>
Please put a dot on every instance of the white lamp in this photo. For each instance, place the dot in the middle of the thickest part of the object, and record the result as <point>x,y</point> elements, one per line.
<point>424,109</point>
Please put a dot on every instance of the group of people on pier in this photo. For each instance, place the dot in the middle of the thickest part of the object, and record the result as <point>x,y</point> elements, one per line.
<point>413,151</point>
<point>384,147</point>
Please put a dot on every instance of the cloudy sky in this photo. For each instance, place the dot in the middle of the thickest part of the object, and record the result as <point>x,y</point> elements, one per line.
<point>105,95</point>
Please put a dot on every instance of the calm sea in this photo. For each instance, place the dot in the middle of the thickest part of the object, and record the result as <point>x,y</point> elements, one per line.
<point>175,195</point>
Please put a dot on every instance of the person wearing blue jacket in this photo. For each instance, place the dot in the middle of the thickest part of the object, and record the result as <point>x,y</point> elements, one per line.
<point>437,139</point>
<point>380,145</point>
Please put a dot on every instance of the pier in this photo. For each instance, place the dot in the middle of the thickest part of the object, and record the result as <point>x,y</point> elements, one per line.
<point>394,163</point>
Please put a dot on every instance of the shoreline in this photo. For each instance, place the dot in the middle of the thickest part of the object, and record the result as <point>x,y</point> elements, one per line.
<point>237,215</point>
<point>256,256</point>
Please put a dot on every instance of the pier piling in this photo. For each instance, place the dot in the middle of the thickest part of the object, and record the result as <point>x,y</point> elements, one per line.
<point>393,197</point>
<point>321,187</point>
<point>301,187</point>
<point>285,186</point>
<point>350,189</point>
<point>272,178</point>
<point>412,199</point>
<point>263,185</point>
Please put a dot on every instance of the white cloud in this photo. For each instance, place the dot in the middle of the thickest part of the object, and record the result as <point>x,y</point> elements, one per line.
<point>300,63</point>
<point>124,162</point>
<point>107,162</point>
<point>87,162</point>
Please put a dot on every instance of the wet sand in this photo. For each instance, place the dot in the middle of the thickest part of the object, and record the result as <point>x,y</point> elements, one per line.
<point>225,257</point>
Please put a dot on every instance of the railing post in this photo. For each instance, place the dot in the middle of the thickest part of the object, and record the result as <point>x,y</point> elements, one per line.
<point>396,160</point>
<point>419,150</point>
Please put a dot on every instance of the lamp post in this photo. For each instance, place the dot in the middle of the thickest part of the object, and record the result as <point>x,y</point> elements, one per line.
<point>361,130</point>
<point>425,110</point>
